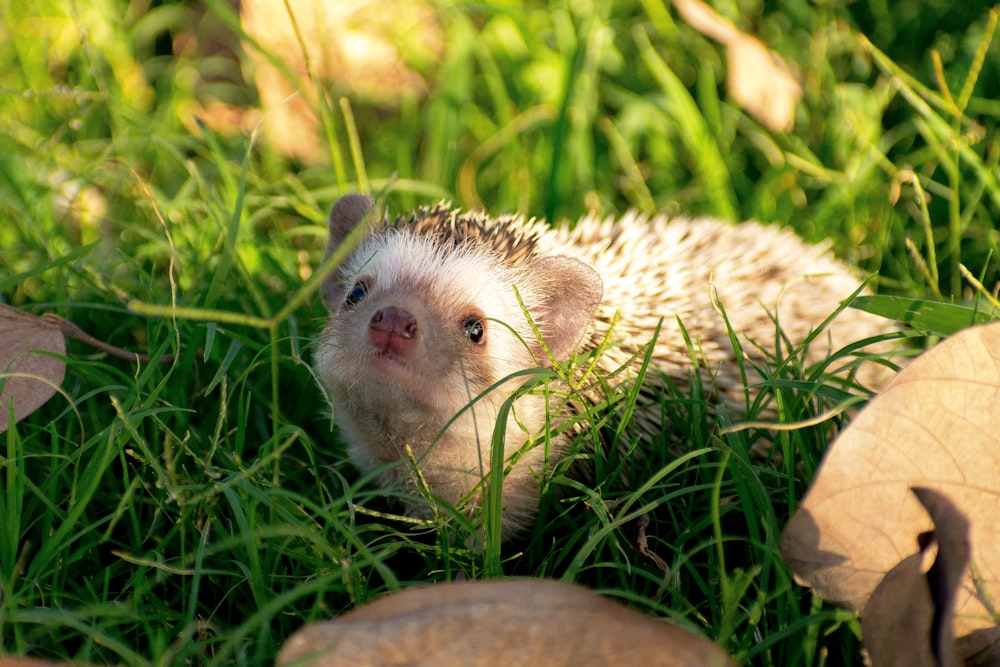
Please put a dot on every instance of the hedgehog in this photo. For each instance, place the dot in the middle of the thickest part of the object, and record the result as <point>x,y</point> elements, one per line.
<point>434,316</point>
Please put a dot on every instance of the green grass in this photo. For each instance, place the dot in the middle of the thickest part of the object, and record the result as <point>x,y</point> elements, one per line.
<point>199,511</point>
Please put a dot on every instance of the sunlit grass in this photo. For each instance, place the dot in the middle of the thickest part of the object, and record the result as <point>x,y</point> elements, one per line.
<point>199,511</point>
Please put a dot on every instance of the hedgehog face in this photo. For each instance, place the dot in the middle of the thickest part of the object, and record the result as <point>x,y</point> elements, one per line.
<point>410,355</point>
<point>433,326</point>
<point>423,330</point>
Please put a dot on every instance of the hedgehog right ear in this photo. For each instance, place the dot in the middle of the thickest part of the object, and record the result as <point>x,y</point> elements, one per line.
<point>345,215</point>
<point>571,291</point>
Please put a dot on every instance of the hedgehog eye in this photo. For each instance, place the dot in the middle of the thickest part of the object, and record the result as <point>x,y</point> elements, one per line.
<point>475,329</point>
<point>356,293</point>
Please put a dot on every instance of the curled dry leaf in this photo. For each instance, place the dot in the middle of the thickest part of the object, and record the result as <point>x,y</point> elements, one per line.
<point>935,425</point>
<point>17,661</point>
<point>30,377</point>
<point>497,623</point>
<point>758,79</point>
<point>917,603</point>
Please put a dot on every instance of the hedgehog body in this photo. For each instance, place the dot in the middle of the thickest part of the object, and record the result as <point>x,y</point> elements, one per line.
<point>425,318</point>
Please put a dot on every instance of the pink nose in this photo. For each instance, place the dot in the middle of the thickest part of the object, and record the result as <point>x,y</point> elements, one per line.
<point>392,330</point>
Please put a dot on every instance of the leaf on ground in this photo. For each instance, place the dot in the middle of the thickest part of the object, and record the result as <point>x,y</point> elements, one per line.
<point>18,661</point>
<point>935,425</point>
<point>29,376</point>
<point>907,622</point>
<point>509,622</point>
<point>758,80</point>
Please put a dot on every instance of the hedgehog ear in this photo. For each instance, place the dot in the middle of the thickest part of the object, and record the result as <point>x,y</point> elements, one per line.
<point>345,215</point>
<point>571,293</point>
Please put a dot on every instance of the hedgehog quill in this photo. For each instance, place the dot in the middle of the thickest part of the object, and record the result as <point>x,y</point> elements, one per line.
<point>425,317</point>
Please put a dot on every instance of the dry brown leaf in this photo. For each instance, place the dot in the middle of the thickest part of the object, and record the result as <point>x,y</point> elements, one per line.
<point>353,44</point>
<point>759,80</point>
<point>762,83</point>
<point>497,623</point>
<point>917,606</point>
<point>23,661</point>
<point>935,425</point>
<point>31,377</point>
<point>900,607</point>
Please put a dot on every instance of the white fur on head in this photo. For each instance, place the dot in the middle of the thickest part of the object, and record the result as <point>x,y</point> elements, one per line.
<point>443,282</point>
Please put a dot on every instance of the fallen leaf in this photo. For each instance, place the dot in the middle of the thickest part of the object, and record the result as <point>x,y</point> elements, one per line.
<point>935,425</point>
<point>24,661</point>
<point>900,607</point>
<point>907,622</point>
<point>30,377</point>
<point>334,47</point>
<point>759,80</point>
<point>762,83</point>
<point>497,623</point>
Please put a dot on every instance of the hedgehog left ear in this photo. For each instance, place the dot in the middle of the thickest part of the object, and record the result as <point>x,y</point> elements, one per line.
<point>571,291</point>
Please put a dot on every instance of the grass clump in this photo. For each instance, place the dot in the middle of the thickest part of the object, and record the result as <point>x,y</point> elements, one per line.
<point>199,511</point>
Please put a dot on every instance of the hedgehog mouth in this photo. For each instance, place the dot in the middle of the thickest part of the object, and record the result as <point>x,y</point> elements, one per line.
<point>390,365</point>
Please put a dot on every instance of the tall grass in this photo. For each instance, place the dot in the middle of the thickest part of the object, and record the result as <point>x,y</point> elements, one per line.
<point>199,511</point>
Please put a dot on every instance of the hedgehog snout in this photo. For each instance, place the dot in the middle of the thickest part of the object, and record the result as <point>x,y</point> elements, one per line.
<point>392,330</point>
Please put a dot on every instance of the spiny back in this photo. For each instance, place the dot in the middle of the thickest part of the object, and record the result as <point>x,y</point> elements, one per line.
<point>513,238</point>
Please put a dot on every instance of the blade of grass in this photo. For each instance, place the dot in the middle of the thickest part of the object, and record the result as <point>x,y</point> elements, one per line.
<point>694,132</point>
